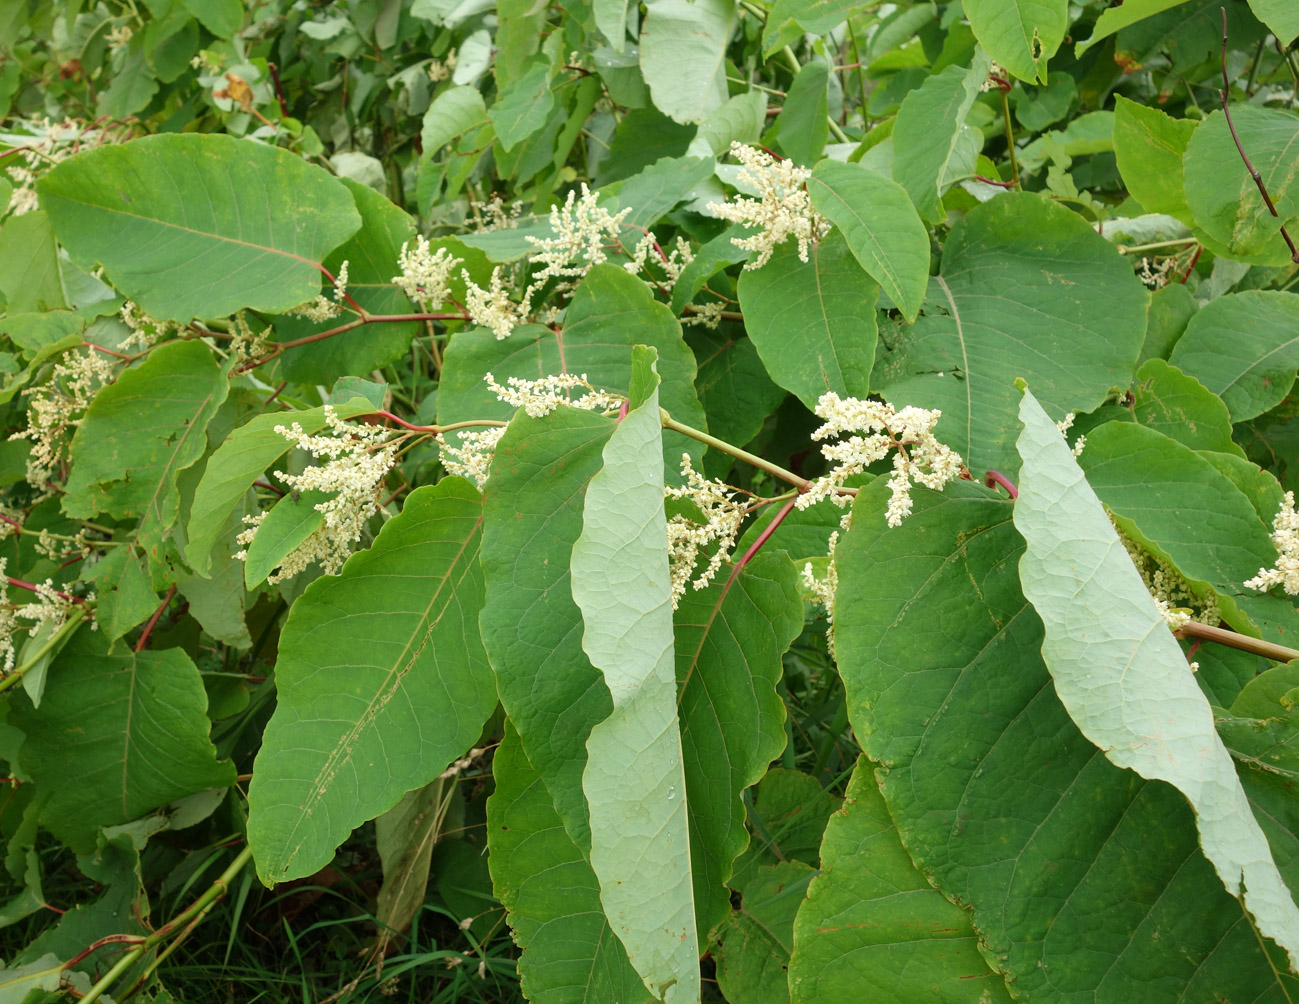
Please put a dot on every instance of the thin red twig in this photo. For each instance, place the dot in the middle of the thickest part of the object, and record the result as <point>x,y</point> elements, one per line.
<point>997,478</point>
<point>148,628</point>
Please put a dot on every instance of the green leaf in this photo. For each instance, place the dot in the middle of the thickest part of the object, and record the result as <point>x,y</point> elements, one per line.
<point>788,815</point>
<point>553,898</point>
<point>1121,675</point>
<point>17,983</point>
<point>221,17</point>
<point>1280,16</point>
<point>291,521</point>
<point>1021,35</point>
<point>1149,146</point>
<point>192,225</point>
<point>1115,18</point>
<point>734,388</point>
<point>729,640</point>
<point>29,265</point>
<point>741,119</point>
<point>404,837</point>
<point>130,729</point>
<point>1171,310</point>
<point>240,461</point>
<point>1245,348</point>
<point>634,781</point>
<point>371,257</point>
<point>947,691</point>
<point>532,515</point>
<point>927,131</point>
<point>524,105</point>
<point>1167,494</point>
<point>871,923</point>
<point>611,20</point>
<point>1179,406</point>
<point>126,596</point>
<point>610,312</point>
<point>1184,38</point>
<point>452,113</point>
<point>803,125</point>
<point>1222,197</point>
<point>813,323</point>
<point>139,433</point>
<point>1016,296</point>
<point>880,225</point>
<point>382,664</point>
<point>816,17</point>
<point>683,55</point>
<point>754,946</point>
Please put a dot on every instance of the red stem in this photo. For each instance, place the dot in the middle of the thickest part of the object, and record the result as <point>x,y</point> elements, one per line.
<point>763,537</point>
<point>148,628</point>
<point>1195,260</point>
<point>279,91</point>
<point>31,587</point>
<point>997,478</point>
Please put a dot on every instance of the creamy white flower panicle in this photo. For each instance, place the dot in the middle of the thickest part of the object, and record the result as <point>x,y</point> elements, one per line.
<point>144,329</point>
<point>8,622</point>
<point>1064,425</point>
<point>324,308</point>
<point>49,143</point>
<point>670,263</point>
<point>785,209</point>
<point>441,69</point>
<point>723,513</point>
<point>540,397</point>
<point>706,315</point>
<point>472,458</point>
<point>582,228</point>
<point>247,344</point>
<point>356,458</point>
<point>873,429</point>
<point>1178,603</point>
<point>1285,537</point>
<point>493,308</point>
<point>425,275</point>
<point>495,214</point>
<point>825,588</point>
<point>55,408</point>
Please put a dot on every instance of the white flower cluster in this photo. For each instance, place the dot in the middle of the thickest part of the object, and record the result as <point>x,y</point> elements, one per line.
<point>472,459</point>
<point>1285,537</point>
<point>670,263</point>
<point>1178,603</point>
<point>722,514</point>
<point>785,209</point>
<point>1153,272</point>
<point>1064,426</point>
<point>144,329</point>
<point>441,69</point>
<point>825,588</point>
<point>493,308</point>
<point>50,143</point>
<point>541,397</point>
<point>357,459</point>
<point>425,276</point>
<point>323,308</point>
<point>582,229</point>
<point>54,409</point>
<point>706,315</point>
<point>873,429</point>
<point>247,344</point>
<point>51,607</point>
<point>119,36</point>
<point>495,214</point>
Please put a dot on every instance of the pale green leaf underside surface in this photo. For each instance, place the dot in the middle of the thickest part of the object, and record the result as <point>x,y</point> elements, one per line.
<point>1122,676</point>
<point>634,780</point>
<point>200,226</point>
<point>382,681</point>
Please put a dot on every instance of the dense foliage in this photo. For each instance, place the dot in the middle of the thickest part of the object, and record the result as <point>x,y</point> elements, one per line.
<point>778,502</point>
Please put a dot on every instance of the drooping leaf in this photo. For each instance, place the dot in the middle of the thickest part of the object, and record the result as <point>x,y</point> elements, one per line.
<point>126,597</point>
<point>1278,15</point>
<point>813,323</point>
<point>816,17</point>
<point>404,837</point>
<point>221,17</point>
<point>610,312</point>
<point>1115,18</point>
<point>1021,35</point>
<point>729,639</point>
<point>881,226</point>
<point>634,780</point>
<point>130,728</point>
<point>1167,494</point>
<point>139,433</point>
<point>551,895</point>
<point>532,513</point>
<point>371,256</point>
<point>1223,199</point>
<point>382,664</point>
<point>193,225</point>
<point>788,816</point>
<point>1149,146</point>
<point>940,655</point>
<point>1121,675</point>
<point>1179,406</point>
<point>290,521</point>
<point>1015,296</point>
<point>754,945</point>
<point>452,113</point>
<point>1171,310</point>
<point>872,924</point>
<point>240,461</point>
<point>927,131</point>
<point>1245,348</point>
<point>803,126</point>
<point>683,55</point>
<point>29,265</point>
<point>524,105</point>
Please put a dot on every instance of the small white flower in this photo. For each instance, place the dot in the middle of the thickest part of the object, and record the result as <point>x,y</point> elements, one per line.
<point>825,589</point>
<point>785,209</point>
<point>1285,538</point>
<point>582,228</point>
<point>493,308</point>
<point>323,308</point>
<point>472,459</point>
<point>1178,603</point>
<point>425,275</point>
<point>723,514</point>
<point>540,397</point>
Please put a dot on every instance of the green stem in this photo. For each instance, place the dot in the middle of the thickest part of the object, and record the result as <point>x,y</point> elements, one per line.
<point>71,624</point>
<point>195,911</point>
<point>1010,139</point>
<point>794,65</point>
<point>1135,248</point>
<point>749,458</point>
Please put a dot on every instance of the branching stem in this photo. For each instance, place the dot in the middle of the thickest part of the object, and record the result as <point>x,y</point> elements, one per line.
<point>1194,629</point>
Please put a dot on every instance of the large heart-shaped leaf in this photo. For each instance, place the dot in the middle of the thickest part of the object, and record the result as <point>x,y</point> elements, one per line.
<point>194,225</point>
